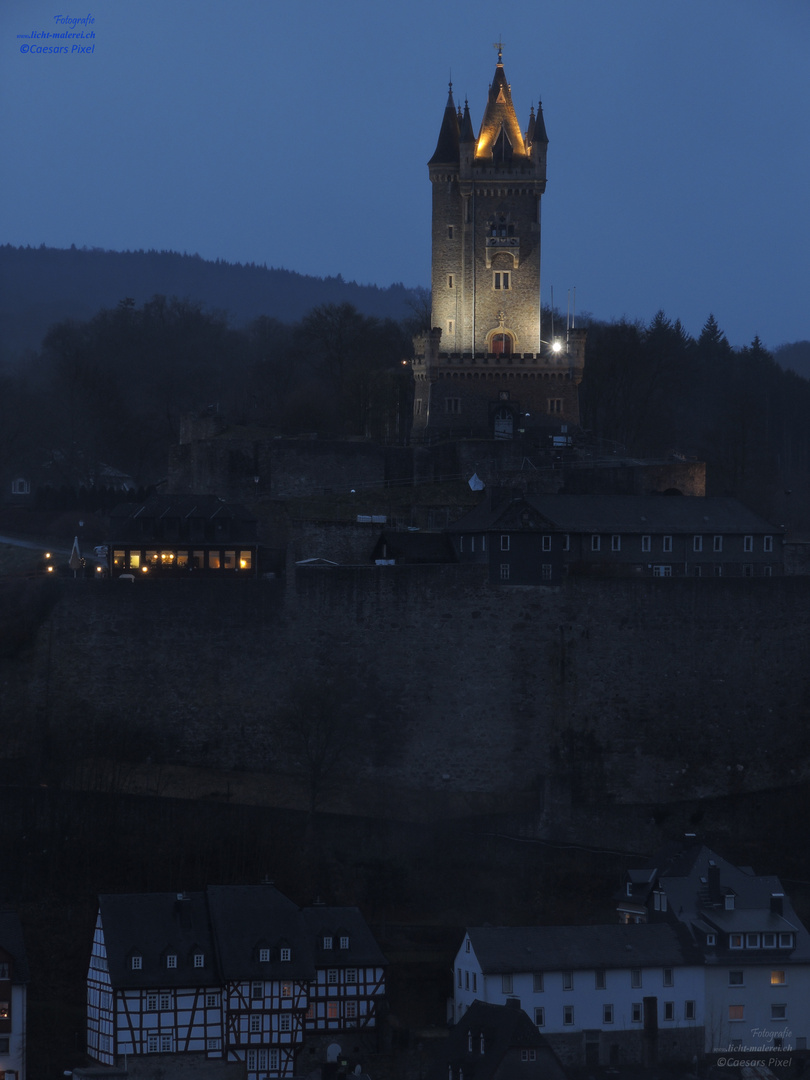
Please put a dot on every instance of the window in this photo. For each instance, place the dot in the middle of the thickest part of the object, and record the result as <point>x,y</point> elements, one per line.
<point>537,982</point>
<point>285,1020</point>
<point>332,977</point>
<point>769,941</point>
<point>668,979</point>
<point>211,1001</point>
<point>555,406</point>
<point>332,1010</point>
<point>166,1042</point>
<point>262,1059</point>
<point>748,543</point>
<point>501,279</point>
<point>635,978</point>
<point>452,406</point>
<point>545,571</point>
<point>255,1022</point>
<point>351,1010</point>
<point>635,1012</point>
<point>786,941</point>
<point>136,962</point>
<point>540,1016</point>
<point>327,943</point>
<point>566,542</point>
<point>451,326</point>
<point>607,1014</point>
<point>615,543</point>
<point>5,1040</point>
<point>667,543</point>
<point>504,571</point>
<point>767,571</point>
<point>344,942</point>
<point>718,571</point>
<point>475,982</point>
<point>662,571</point>
<point>165,1002</point>
<point>728,901</point>
<point>449,281</point>
<point>711,939</point>
<point>466,980</point>
<point>171,960</point>
<point>689,1010</point>
<point>777,978</point>
<point>568,1014</point>
<point>504,543</point>
<point>736,1012</point>
<point>256,990</point>
<point>752,941</point>
<point>212,1044</point>
<point>767,543</point>
<point>506,984</point>
<point>778,1012</point>
<point>20,487</point>
<point>735,941</point>
<point>459,978</point>
<point>199,960</point>
<point>669,1010</point>
<point>151,1004</point>
<point>697,543</point>
<point>600,978</point>
<point>596,543</point>
<point>449,232</point>
<point>151,1044</point>
<point>546,543</point>
<point>286,989</point>
<point>717,543</point>
<point>646,543</point>
<point>735,978</point>
<point>568,980</point>
<point>418,406</point>
<point>351,976</point>
<point>264,956</point>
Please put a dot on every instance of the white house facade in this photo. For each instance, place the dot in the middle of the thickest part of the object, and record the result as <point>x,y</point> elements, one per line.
<point>232,974</point>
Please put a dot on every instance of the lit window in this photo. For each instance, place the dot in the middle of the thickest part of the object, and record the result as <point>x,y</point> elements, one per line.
<point>229,560</point>
<point>777,978</point>
<point>286,989</point>
<point>735,941</point>
<point>540,1016</point>
<point>245,560</point>
<point>332,1012</point>
<point>214,560</point>
<point>736,1012</point>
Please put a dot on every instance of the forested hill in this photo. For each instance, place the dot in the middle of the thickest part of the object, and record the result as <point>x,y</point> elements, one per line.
<point>41,286</point>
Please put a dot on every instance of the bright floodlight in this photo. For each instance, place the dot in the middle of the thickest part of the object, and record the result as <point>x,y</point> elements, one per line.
<point>557,346</point>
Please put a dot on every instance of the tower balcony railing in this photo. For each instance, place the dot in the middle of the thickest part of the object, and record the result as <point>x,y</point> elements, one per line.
<point>503,241</point>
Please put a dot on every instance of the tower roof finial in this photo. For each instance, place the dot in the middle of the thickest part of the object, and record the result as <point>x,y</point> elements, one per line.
<point>499,46</point>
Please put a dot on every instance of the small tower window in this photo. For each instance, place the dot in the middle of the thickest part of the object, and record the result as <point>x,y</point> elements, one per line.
<point>449,232</point>
<point>449,281</point>
<point>501,279</point>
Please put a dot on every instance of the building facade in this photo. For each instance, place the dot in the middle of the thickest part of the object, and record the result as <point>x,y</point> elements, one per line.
<point>488,366</point>
<point>13,998</point>
<point>235,973</point>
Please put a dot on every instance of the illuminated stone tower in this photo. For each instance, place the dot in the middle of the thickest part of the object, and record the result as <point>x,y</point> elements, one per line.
<point>485,368</point>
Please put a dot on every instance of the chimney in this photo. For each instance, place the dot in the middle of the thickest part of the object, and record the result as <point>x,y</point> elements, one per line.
<point>777,903</point>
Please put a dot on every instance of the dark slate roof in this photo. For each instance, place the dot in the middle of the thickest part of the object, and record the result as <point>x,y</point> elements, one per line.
<point>505,1028</point>
<point>686,879</point>
<point>11,939</point>
<point>446,152</point>
<point>154,924</point>
<point>615,513</point>
<point>181,506</point>
<point>246,918</point>
<point>322,921</point>
<point>514,949</point>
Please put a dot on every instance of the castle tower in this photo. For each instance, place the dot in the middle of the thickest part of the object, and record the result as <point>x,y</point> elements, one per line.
<point>485,368</point>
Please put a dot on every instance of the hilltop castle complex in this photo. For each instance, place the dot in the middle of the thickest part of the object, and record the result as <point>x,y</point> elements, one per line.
<point>485,368</point>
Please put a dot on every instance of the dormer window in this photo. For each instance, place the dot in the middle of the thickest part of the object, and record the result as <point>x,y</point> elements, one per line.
<point>729,902</point>
<point>285,953</point>
<point>481,1050</point>
<point>327,943</point>
<point>171,960</point>
<point>344,942</point>
<point>711,939</point>
<point>136,962</point>
<point>786,941</point>
<point>199,959</point>
<point>264,956</point>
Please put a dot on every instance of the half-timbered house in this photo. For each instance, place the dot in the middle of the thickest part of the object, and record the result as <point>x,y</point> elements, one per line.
<point>235,973</point>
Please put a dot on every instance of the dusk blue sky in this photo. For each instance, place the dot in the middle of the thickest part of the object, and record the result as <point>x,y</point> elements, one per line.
<point>297,135</point>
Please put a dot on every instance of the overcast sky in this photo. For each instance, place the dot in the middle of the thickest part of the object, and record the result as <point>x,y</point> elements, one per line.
<point>296,134</point>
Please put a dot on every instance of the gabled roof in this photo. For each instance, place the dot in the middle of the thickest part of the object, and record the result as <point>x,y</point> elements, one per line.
<point>322,921</point>
<point>514,949</point>
<point>625,514</point>
<point>505,1029</point>
<point>243,917</point>
<point>151,925</point>
<point>12,942</point>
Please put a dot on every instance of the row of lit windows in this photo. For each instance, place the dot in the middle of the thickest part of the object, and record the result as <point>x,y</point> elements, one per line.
<point>182,560</point>
<point>668,1012</point>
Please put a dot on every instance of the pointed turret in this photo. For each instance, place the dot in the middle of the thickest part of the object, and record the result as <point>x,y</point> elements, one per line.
<point>500,135</point>
<point>539,135</point>
<point>446,152</point>
<point>530,128</point>
<point>466,134</point>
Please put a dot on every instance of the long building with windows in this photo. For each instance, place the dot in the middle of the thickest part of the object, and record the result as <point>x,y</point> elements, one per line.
<point>235,973</point>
